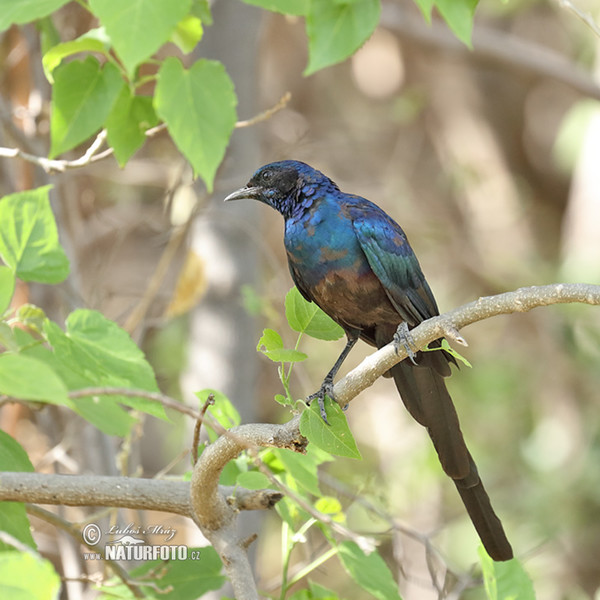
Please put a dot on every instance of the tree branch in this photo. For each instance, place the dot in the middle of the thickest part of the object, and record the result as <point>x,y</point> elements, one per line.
<point>491,46</point>
<point>122,492</point>
<point>215,508</point>
<point>448,324</point>
<point>92,154</point>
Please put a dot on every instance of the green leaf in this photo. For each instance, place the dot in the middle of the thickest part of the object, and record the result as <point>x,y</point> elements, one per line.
<point>286,7</point>
<point>307,317</point>
<point>26,576</point>
<point>12,455</point>
<point>459,16</point>
<point>92,352</point>
<point>369,571</point>
<point>337,29</point>
<point>320,592</point>
<point>505,580</point>
<point>29,239</point>
<point>198,106</point>
<point>450,350</point>
<point>328,505</point>
<point>189,579</point>
<point>94,40</point>
<point>301,468</point>
<point>82,97</point>
<point>7,286</point>
<point>138,28</point>
<point>30,379</point>
<point>253,480</point>
<point>13,517</point>
<point>7,337</point>
<point>32,317</point>
<point>26,11</point>
<point>127,123</point>
<point>426,6</point>
<point>335,437</point>
<point>201,9</point>
<point>187,34</point>
<point>271,345</point>
<point>223,410</point>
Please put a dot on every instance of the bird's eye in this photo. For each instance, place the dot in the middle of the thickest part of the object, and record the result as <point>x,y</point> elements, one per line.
<point>266,175</point>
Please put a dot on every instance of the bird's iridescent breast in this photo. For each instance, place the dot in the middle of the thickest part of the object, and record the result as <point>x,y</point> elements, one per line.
<point>326,259</point>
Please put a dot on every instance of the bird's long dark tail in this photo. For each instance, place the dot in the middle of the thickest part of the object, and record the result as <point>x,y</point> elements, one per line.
<point>425,396</point>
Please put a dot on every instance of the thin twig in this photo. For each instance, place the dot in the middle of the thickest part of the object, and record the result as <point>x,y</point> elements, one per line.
<point>92,154</point>
<point>585,17</point>
<point>163,399</point>
<point>196,441</point>
<point>267,114</point>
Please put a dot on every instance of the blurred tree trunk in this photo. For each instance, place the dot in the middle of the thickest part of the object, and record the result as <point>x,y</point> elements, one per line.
<point>581,231</point>
<point>222,333</point>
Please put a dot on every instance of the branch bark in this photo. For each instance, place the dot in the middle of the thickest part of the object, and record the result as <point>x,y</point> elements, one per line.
<point>215,508</point>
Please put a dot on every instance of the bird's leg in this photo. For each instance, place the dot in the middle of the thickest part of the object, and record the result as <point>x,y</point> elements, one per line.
<point>326,388</point>
<point>403,338</point>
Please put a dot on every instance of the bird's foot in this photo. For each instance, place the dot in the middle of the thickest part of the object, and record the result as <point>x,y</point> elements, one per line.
<point>326,389</point>
<point>403,338</point>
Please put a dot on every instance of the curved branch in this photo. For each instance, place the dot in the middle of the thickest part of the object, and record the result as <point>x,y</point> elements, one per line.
<point>448,324</point>
<point>214,508</point>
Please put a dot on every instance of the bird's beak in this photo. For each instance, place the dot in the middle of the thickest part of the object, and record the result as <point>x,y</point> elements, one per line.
<point>245,193</point>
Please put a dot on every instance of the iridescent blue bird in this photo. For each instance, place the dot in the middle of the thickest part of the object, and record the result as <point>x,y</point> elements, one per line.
<point>354,261</point>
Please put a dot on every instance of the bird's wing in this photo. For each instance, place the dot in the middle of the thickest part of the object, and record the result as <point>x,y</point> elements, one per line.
<point>394,263</point>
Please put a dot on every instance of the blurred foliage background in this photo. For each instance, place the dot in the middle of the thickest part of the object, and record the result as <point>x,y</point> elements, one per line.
<point>487,157</point>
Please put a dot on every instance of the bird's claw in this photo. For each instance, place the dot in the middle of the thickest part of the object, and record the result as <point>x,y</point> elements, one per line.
<point>403,338</point>
<point>326,389</point>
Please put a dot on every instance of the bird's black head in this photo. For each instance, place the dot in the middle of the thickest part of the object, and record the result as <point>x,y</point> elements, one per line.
<point>284,185</point>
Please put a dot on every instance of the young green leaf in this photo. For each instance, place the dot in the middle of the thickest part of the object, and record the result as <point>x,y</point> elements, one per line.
<point>336,29</point>
<point>223,410</point>
<point>187,579</point>
<point>27,575</point>
<point>7,286</point>
<point>271,345</point>
<point>301,468</point>
<point>201,9</point>
<point>30,379</point>
<point>450,350</point>
<point>369,571</point>
<point>127,123</point>
<point>459,16</point>
<point>336,437</point>
<point>505,580</point>
<point>307,317</point>
<point>328,505</point>
<point>26,12</point>
<point>28,237</point>
<point>253,480</point>
<point>198,106</point>
<point>32,317</point>
<point>12,455</point>
<point>94,40</point>
<point>82,97</point>
<point>13,517</point>
<point>95,351</point>
<point>426,7</point>
<point>187,34</point>
<point>138,28</point>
